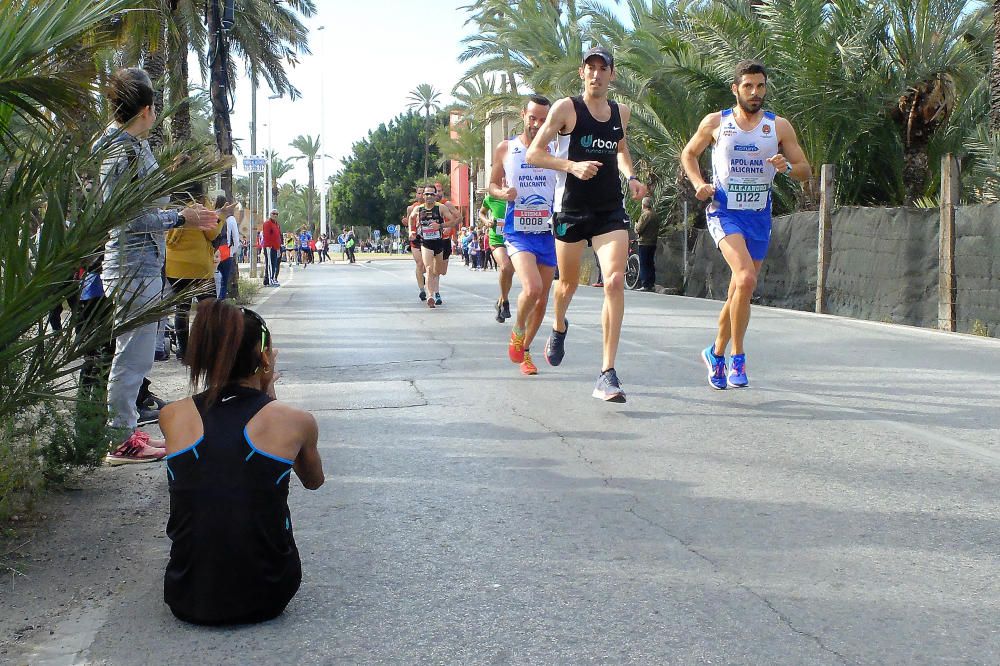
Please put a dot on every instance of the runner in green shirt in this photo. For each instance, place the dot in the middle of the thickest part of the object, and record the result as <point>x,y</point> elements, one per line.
<point>492,215</point>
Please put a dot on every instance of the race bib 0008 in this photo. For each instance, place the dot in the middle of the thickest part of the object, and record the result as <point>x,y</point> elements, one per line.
<point>532,218</point>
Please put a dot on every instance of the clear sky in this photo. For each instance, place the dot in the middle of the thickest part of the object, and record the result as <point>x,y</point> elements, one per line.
<point>364,63</point>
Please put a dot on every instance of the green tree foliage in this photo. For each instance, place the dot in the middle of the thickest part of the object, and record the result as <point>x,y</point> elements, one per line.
<point>376,183</point>
<point>880,88</point>
<point>55,222</point>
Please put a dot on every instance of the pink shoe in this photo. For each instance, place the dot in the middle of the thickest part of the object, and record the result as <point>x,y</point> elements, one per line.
<point>138,448</point>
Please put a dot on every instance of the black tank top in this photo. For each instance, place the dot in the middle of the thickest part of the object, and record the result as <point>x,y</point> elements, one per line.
<point>428,217</point>
<point>596,141</point>
<point>233,557</point>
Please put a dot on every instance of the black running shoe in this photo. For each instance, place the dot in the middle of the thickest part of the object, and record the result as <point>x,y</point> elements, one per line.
<point>437,298</point>
<point>555,346</point>
<point>423,295</point>
<point>499,317</point>
<point>506,309</point>
<point>148,416</point>
<point>154,402</point>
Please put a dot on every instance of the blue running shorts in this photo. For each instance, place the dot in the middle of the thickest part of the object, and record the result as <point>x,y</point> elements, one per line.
<point>721,225</point>
<point>543,246</point>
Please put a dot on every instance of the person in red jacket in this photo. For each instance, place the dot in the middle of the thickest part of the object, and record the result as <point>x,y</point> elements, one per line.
<point>272,249</point>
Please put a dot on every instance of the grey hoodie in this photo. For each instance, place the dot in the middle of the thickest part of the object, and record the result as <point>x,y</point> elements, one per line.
<point>136,249</point>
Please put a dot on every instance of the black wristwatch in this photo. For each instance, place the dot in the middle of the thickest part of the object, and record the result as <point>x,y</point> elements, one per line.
<point>181,220</point>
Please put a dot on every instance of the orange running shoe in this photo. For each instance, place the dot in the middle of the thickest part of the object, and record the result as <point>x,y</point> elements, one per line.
<point>515,350</point>
<point>430,303</point>
<point>527,366</point>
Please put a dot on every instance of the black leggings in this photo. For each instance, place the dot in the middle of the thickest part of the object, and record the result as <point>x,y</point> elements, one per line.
<point>201,289</point>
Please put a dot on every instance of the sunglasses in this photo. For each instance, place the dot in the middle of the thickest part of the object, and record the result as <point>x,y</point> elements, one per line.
<point>265,333</point>
<point>430,194</point>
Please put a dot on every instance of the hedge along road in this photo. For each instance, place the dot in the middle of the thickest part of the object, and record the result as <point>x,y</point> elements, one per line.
<point>842,510</point>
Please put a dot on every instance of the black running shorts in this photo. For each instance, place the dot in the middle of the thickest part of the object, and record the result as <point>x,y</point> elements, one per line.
<point>576,227</point>
<point>437,245</point>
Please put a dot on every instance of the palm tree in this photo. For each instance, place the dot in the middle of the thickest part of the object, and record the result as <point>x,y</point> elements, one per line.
<point>467,146</point>
<point>47,64</point>
<point>279,167</point>
<point>995,72</point>
<point>931,60</point>
<point>185,33</point>
<point>267,36</point>
<point>538,42</point>
<point>309,149</point>
<point>425,97</point>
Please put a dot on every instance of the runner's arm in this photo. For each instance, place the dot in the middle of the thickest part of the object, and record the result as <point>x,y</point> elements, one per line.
<point>701,140</point>
<point>496,188</point>
<point>558,120</point>
<point>791,152</point>
<point>625,166</point>
<point>451,216</point>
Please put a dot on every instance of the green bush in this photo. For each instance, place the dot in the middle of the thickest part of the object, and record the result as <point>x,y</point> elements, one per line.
<point>249,290</point>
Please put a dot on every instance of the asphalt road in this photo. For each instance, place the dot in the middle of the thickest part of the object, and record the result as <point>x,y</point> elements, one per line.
<point>843,510</point>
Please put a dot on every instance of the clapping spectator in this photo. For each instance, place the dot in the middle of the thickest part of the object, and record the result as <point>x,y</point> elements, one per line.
<point>132,268</point>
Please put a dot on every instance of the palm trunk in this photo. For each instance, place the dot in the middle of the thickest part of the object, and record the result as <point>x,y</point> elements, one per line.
<point>916,167</point>
<point>180,122</point>
<point>427,139</point>
<point>219,60</point>
<point>995,72</point>
<point>155,64</point>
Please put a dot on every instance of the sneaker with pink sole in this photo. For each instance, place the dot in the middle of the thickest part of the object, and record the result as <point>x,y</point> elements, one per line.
<point>138,448</point>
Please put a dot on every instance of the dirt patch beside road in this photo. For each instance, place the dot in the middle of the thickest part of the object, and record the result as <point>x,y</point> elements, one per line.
<point>86,542</point>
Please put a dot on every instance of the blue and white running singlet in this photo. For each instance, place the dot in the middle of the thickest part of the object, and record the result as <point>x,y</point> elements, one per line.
<point>531,211</point>
<point>743,177</point>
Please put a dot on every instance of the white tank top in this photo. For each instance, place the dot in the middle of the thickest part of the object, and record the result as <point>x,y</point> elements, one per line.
<point>740,171</point>
<point>531,211</point>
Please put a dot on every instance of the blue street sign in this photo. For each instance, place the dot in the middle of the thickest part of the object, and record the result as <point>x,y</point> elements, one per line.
<point>391,229</point>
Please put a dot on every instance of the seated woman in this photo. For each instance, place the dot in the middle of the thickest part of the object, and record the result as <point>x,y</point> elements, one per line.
<point>230,453</point>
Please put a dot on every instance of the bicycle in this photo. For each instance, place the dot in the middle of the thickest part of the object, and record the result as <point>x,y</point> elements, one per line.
<point>632,265</point>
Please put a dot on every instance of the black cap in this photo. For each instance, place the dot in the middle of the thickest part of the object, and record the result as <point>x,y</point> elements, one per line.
<point>600,51</point>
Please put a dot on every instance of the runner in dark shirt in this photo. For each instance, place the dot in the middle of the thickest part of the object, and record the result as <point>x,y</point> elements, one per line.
<point>591,161</point>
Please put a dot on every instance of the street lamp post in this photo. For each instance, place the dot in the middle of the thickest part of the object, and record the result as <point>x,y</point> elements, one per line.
<point>268,202</point>
<point>252,177</point>
<point>322,133</point>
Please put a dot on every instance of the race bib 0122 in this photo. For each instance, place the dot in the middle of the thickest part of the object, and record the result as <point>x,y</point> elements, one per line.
<point>746,194</point>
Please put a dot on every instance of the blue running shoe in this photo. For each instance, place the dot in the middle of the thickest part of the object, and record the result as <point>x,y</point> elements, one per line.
<point>716,368</point>
<point>609,388</point>
<point>437,298</point>
<point>738,371</point>
<point>555,346</point>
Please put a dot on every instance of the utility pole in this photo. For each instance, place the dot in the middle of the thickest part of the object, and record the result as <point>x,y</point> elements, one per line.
<point>253,174</point>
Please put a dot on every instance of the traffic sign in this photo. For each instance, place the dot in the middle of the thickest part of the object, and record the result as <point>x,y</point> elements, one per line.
<point>255,164</point>
<point>391,229</point>
<point>376,233</point>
